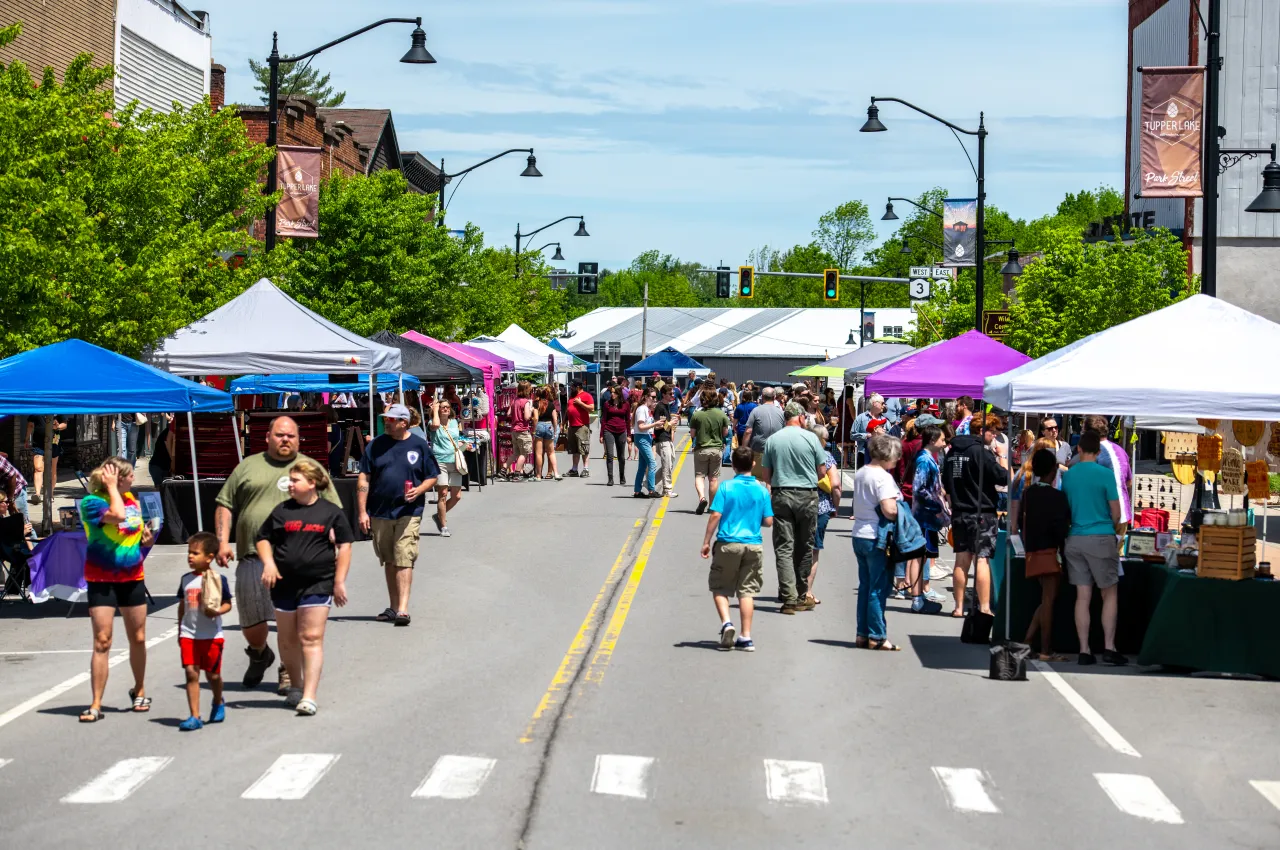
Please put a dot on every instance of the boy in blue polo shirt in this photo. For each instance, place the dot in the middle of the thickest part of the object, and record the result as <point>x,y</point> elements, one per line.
<point>738,511</point>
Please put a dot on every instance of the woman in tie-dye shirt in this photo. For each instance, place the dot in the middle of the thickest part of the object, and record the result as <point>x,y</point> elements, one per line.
<point>117,540</point>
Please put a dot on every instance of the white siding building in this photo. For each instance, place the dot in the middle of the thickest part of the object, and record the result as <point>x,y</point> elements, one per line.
<point>163,54</point>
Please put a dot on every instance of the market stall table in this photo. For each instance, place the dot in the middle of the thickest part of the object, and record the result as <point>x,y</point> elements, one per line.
<point>178,497</point>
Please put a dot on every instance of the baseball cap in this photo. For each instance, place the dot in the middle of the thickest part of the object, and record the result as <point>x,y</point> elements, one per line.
<point>876,423</point>
<point>792,410</point>
<point>924,420</point>
<point>396,411</point>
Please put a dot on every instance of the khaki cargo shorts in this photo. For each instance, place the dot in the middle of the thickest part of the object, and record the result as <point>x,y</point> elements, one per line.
<point>706,462</point>
<point>578,440</point>
<point>736,569</point>
<point>395,541</point>
<point>522,443</point>
<point>757,468</point>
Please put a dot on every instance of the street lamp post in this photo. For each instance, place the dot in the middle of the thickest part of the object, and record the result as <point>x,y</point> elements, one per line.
<point>417,55</point>
<point>889,214</point>
<point>873,125</point>
<point>531,170</point>
<point>582,231</point>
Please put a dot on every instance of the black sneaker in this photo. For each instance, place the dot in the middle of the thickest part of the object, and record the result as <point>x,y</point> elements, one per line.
<point>702,507</point>
<point>1114,658</point>
<point>1086,658</point>
<point>573,473</point>
<point>259,663</point>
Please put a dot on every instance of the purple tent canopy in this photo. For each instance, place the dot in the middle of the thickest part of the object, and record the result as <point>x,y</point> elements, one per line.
<point>947,369</point>
<point>488,356</point>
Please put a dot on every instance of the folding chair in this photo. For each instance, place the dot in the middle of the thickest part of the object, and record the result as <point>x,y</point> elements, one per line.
<point>15,551</point>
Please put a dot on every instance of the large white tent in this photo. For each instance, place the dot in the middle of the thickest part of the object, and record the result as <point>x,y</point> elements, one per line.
<point>264,331</point>
<point>1199,357</point>
<point>525,360</point>
<point>519,337</point>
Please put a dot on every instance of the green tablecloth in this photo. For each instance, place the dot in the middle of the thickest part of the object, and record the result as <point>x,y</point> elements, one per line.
<point>1214,624</point>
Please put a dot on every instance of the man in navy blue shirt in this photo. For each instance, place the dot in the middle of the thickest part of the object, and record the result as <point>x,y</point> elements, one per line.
<point>396,473</point>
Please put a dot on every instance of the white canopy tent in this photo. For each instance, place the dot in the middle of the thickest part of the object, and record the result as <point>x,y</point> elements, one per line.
<point>263,331</point>
<point>1200,357</point>
<point>525,360</point>
<point>520,338</point>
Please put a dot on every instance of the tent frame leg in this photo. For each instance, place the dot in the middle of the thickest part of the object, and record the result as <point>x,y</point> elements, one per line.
<point>195,472</point>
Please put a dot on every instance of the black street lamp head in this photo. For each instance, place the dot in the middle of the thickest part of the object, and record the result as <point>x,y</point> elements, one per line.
<point>418,54</point>
<point>906,245</point>
<point>582,228</point>
<point>531,170</point>
<point>1269,200</point>
<point>853,338</point>
<point>1012,266</point>
<point>889,214</point>
<point>557,255</point>
<point>873,124</point>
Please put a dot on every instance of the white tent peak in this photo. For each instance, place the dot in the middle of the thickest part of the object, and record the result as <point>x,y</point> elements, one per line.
<point>264,331</point>
<point>520,338</point>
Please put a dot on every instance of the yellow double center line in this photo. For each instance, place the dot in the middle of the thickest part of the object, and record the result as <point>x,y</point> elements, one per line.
<point>574,658</point>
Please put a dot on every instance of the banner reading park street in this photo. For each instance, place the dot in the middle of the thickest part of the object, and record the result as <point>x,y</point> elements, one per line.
<point>298,172</point>
<point>959,231</point>
<point>1172,108</point>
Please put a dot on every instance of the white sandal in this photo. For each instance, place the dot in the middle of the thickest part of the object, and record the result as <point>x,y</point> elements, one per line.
<point>307,708</point>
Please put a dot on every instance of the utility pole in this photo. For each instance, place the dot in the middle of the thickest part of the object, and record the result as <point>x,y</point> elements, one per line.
<point>1209,165</point>
<point>644,323</point>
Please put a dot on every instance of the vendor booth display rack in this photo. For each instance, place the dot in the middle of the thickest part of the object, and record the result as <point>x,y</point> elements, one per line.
<point>1227,552</point>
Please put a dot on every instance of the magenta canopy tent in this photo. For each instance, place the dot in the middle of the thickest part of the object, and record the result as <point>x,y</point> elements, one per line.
<point>947,369</point>
<point>483,354</point>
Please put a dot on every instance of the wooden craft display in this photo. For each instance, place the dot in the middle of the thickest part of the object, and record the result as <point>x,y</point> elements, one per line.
<point>1158,491</point>
<point>1258,479</point>
<point>1211,424</point>
<point>1227,552</point>
<point>1176,443</point>
<point>1233,473</point>
<point>1248,431</point>
<point>1184,468</point>
<point>1209,452</point>
<point>1273,445</point>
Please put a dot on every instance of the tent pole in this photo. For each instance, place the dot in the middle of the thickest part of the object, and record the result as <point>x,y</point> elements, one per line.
<point>195,473</point>
<point>235,430</point>
<point>373,386</point>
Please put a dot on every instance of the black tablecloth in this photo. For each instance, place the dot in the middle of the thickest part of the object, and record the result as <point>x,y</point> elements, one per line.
<point>178,497</point>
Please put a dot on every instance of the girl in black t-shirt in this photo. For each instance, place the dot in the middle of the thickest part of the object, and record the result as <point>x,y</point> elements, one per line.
<point>305,547</point>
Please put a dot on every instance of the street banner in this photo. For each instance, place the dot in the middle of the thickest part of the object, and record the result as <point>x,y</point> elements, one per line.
<point>868,325</point>
<point>1170,141</point>
<point>959,231</point>
<point>298,175</point>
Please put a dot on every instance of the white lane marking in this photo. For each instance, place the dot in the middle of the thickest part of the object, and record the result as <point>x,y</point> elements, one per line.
<point>1139,796</point>
<point>622,776</point>
<point>53,651</point>
<point>1268,789</point>
<point>118,781</point>
<point>795,781</point>
<point>3,762</point>
<point>1091,716</point>
<point>78,679</point>
<point>291,777</point>
<point>456,777</point>
<point>966,789</point>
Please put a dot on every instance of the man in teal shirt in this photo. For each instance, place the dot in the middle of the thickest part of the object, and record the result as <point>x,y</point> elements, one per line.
<point>1091,551</point>
<point>738,510</point>
<point>793,462</point>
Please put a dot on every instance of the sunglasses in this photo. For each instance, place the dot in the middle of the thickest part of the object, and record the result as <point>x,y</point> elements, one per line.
<point>1050,427</point>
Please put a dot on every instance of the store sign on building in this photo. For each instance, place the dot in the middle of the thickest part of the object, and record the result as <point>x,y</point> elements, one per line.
<point>995,323</point>
<point>1105,229</point>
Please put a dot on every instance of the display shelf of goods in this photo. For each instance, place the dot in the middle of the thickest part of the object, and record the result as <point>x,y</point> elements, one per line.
<point>1177,443</point>
<point>1227,552</point>
<point>215,439</point>
<point>1248,431</point>
<point>1209,452</point>
<point>313,432</point>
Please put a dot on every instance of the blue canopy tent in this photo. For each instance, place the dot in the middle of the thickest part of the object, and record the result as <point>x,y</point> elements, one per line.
<point>75,377</point>
<point>579,364</point>
<point>668,361</point>
<point>263,384</point>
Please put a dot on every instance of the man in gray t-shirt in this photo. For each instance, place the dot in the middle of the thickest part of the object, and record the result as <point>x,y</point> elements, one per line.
<point>765,421</point>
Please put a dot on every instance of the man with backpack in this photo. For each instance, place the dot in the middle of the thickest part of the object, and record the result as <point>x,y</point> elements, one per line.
<point>970,477</point>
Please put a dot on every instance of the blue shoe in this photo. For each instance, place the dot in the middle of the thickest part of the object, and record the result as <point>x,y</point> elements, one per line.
<point>727,634</point>
<point>745,644</point>
<point>191,724</point>
<point>219,713</point>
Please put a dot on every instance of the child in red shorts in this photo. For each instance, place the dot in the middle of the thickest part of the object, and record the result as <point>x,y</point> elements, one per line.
<point>200,630</point>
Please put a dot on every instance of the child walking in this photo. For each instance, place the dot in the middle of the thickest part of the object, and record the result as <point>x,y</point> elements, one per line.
<point>738,511</point>
<point>200,630</point>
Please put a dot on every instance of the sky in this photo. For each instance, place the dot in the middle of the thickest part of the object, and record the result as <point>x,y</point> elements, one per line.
<point>708,128</point>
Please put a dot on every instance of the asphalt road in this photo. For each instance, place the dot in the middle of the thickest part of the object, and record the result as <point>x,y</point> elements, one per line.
<point>559,688</point>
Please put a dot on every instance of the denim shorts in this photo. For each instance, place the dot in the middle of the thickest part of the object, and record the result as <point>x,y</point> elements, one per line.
<point>820,531</point>
<point>545,431</point>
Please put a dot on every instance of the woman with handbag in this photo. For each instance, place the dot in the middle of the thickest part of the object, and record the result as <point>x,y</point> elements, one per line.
<point>453,464</point>
<point>875,496</point>
<point>1045,520</point>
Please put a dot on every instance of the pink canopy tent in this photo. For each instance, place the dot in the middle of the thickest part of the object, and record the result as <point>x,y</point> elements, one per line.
<point>492,373</point>
<point>947,369</point>
<point>483,354</point>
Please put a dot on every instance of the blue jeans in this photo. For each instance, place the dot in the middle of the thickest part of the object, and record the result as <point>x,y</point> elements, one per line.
<point>19,503</point>
<point>127,439</point>
<point>648,467</point>
<point>873,588</point>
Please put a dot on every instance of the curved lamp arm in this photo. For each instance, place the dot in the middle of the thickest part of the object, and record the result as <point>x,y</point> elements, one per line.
<point>350,35</point>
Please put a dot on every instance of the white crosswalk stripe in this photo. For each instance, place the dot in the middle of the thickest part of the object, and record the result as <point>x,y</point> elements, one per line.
<point>622,776</point>
<point>967,789</point>
<point>291,777</point>
<point>456,777</point>
<point>118,781</point>
<point>3,762</point>
<point>795,782</point>
<point>1269,789</point>
<point>1139,796</point>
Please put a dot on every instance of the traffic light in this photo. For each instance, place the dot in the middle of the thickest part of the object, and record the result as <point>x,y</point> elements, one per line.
<point>831,280</point>
<point>746,281</point>
<point>722,282</point>
<point>588,278</point>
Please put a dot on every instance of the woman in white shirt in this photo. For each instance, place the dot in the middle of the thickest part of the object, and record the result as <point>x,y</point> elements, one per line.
<point>642,435</point>
<point>874,495</point>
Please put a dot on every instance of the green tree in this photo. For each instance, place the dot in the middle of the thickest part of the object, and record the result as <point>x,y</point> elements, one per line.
<point>844,231</point>
<point>297,79</point>
<point>113,219</point>
<point>1080,288</point>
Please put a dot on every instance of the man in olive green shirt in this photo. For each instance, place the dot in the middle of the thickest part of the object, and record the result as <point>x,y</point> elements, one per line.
<point>254,488</point>
<point>709,424</point>
<point>793,462</point>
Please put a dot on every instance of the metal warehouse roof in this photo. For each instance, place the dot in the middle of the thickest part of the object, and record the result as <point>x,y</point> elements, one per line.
<point>728,332</point>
